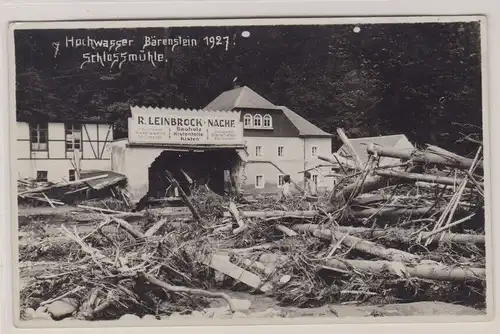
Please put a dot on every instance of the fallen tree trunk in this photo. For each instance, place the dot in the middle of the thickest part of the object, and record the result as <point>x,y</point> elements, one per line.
<point>278,214</point>
<point>391,212</point>
<point>350,148</point>
<point>432,271</point>
<point>189,291</point>
<point>127,227</point>
<point>423,157</point>
<point>185,199</point>
<point>394,233</point>
<point>371,183</point>
<point>423,178</point>
<point>360,244</point>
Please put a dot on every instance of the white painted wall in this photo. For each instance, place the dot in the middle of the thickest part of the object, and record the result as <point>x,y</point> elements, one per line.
<point>56,161</point>
<point>297,157</point>
<point>134,162</point>
<point>57,170</point>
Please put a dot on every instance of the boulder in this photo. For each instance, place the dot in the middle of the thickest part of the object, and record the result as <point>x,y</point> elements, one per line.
<point>241,305</point>
<point>149,317</point>
<point>129,317</point>
<point>62,308</point>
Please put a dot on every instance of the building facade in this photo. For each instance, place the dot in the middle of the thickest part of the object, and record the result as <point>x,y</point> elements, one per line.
<point>257,142</point>
<point>278,142</point>
<point>56,151</point>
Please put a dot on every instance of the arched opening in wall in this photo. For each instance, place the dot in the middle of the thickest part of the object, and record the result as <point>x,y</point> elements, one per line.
<point>216,169</point>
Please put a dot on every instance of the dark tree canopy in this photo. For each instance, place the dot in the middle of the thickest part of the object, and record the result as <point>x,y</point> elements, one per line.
<point>416,79</point>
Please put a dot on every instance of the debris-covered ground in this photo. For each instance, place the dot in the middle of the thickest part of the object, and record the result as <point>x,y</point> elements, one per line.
<point>385,236</point>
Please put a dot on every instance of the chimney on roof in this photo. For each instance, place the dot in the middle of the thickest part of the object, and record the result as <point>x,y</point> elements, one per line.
<point>236,83</point>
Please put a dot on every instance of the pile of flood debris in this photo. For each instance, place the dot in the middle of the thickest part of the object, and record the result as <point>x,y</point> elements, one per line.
<point>410,232</point>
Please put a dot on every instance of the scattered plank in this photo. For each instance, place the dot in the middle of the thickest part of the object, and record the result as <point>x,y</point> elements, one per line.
<point>222,264</point>
<point>61,185</point>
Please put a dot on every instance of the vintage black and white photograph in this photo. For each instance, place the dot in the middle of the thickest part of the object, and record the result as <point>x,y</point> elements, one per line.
<point>182,172</point>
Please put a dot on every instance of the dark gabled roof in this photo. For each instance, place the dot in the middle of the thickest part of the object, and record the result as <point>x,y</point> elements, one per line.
<point>241,97</point>
<point>306,128</point>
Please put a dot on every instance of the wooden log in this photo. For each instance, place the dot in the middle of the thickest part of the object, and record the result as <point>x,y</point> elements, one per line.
<point>127,227</point>
<point>280,214</point>
<point>371,183</point>
<point>422,177</point>
<point>236,214</point>
<point>153,229</point>
<point>185,198</point>
<point>102,210</point>
<point>355,156</point>
<point>189,291</point>
<point>361,245</point>
<point>285,230</point>
<point>444,153</point>
<point>60,185</point>
<point>432,271</point>
<point>251,249</point>
<point>422,157</point>
<point>387,233</point>
<point>336,159</point>
<point>391,212</point>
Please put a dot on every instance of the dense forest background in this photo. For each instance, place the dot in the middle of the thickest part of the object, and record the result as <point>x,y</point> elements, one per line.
<point>423,80</point>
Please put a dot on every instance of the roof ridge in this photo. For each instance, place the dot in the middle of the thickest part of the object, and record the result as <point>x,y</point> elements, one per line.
<point>383,136</point>
<point>156,108</point>
<point>307,123</point>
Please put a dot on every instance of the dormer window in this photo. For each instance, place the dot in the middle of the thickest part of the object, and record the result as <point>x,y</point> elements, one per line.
<point>257,121</point>
<point>268,121</point>
<point>247,121</point>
